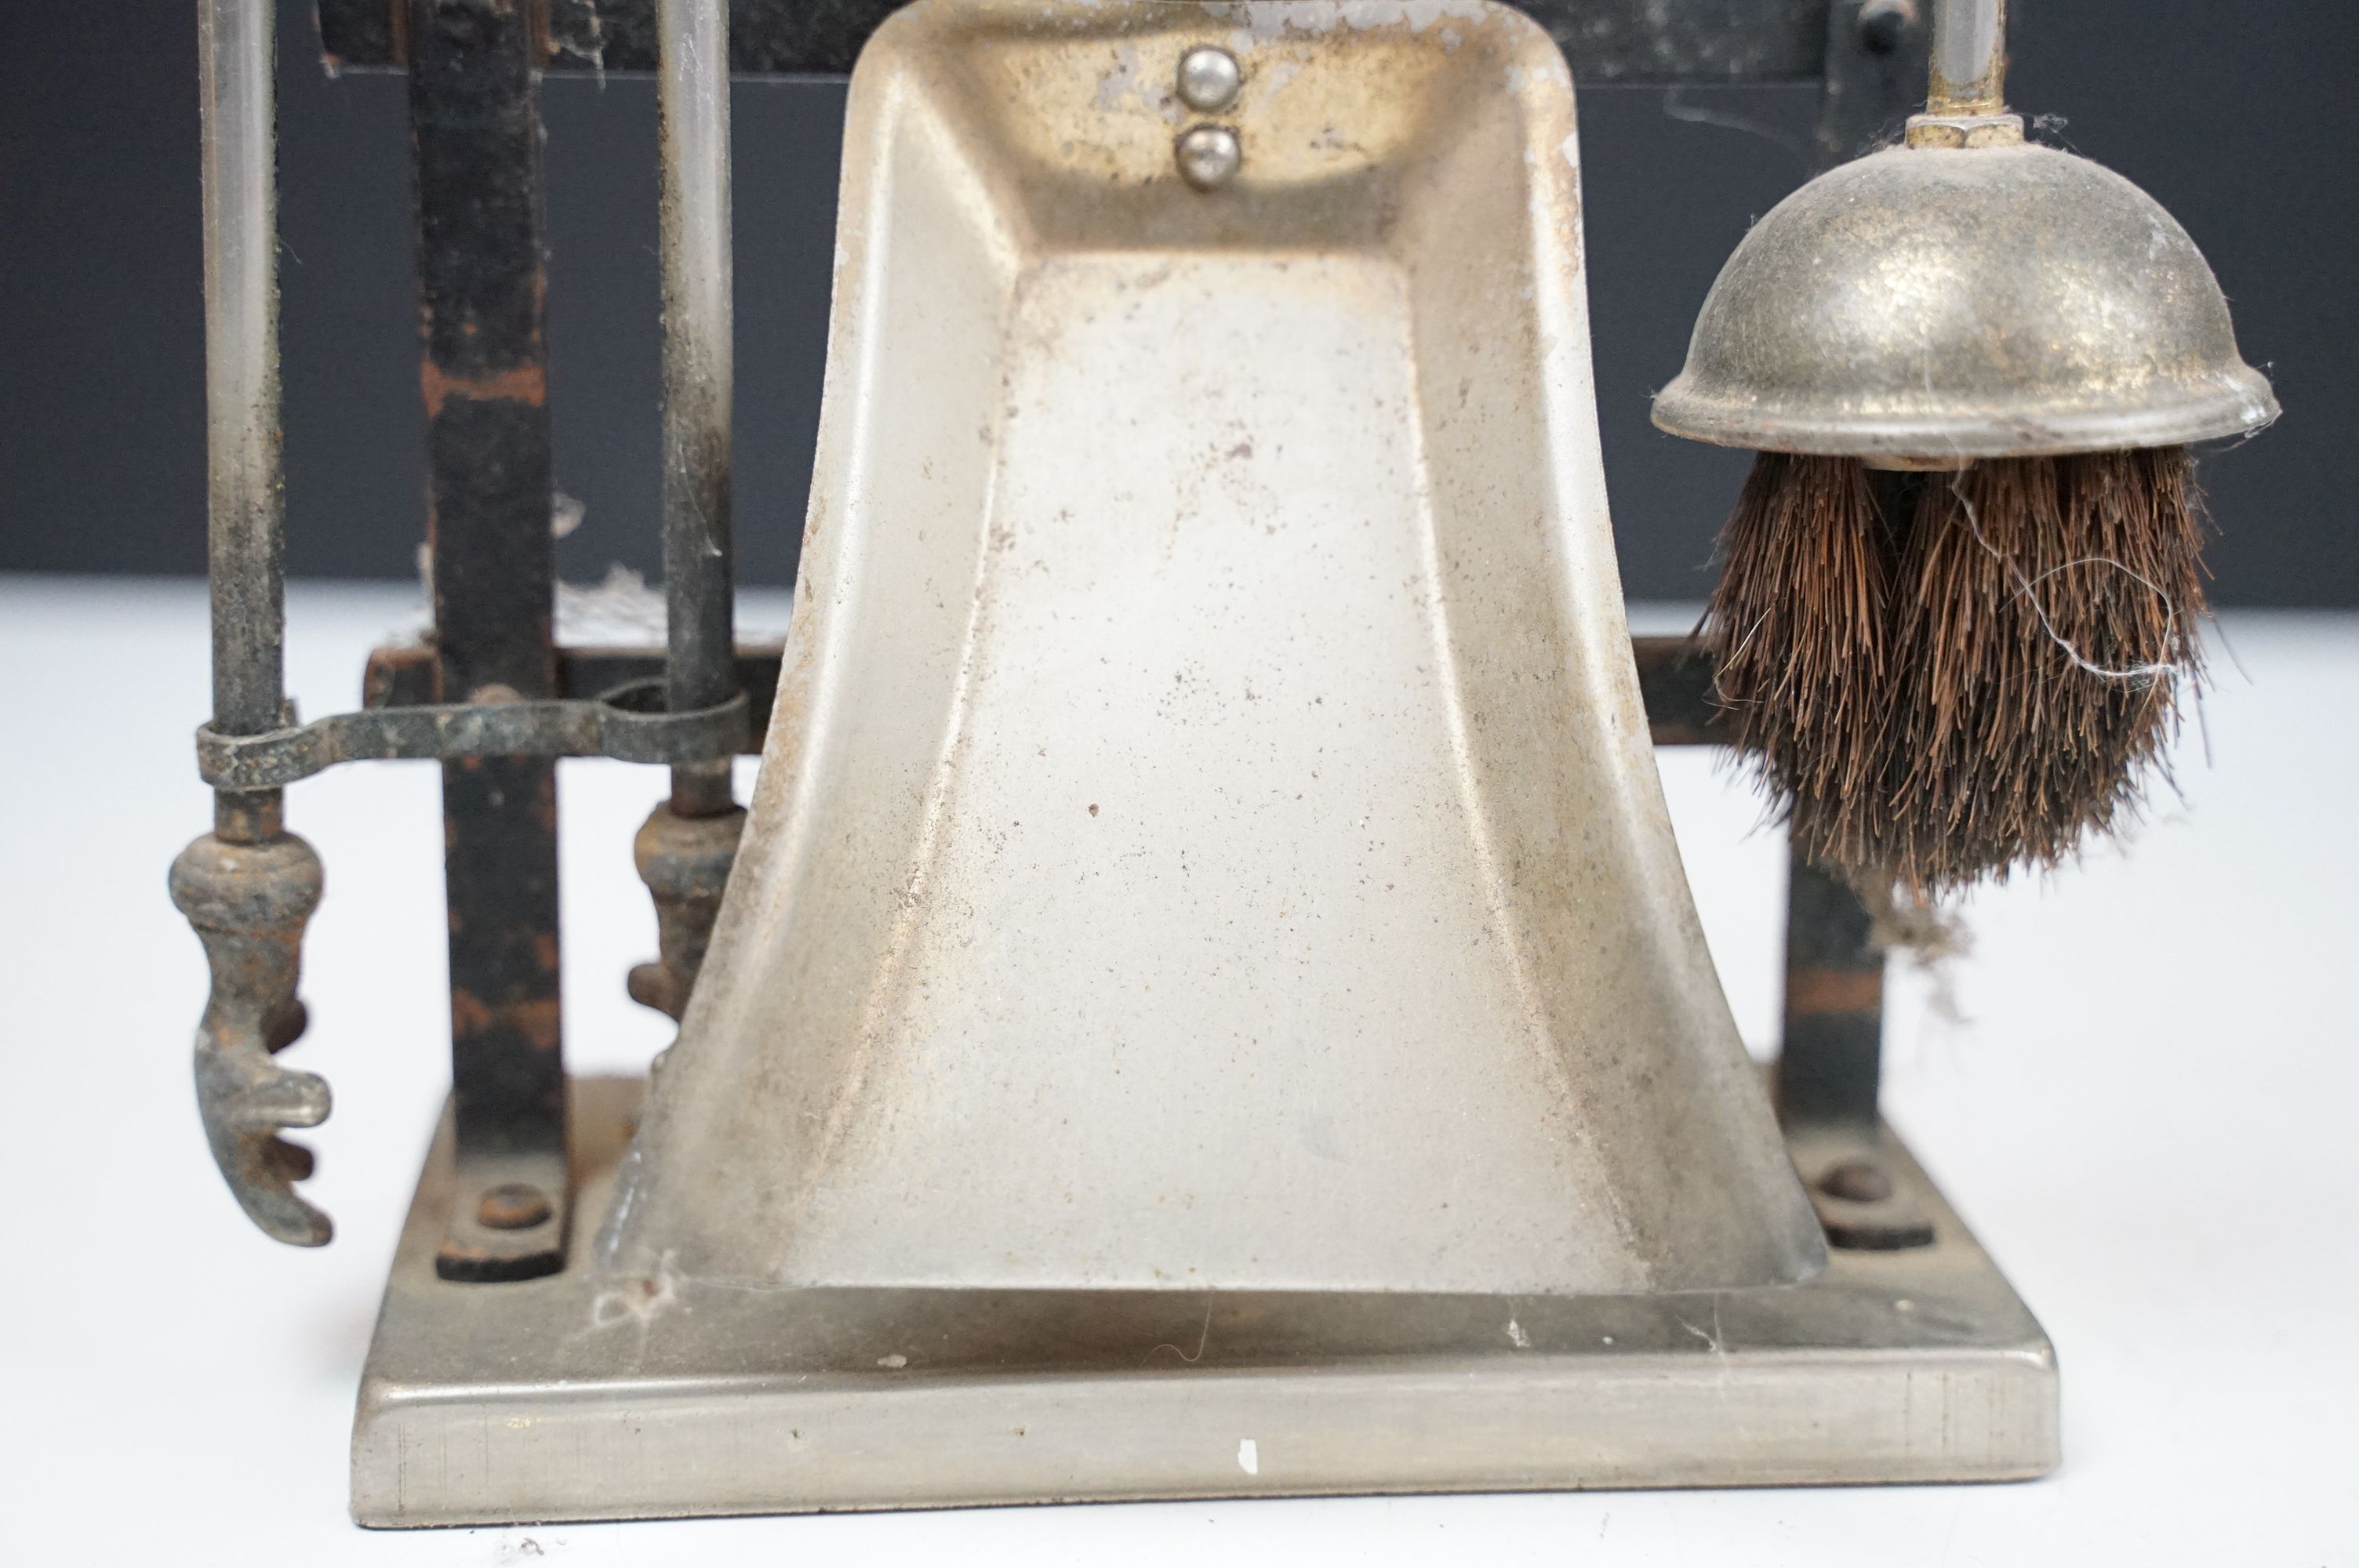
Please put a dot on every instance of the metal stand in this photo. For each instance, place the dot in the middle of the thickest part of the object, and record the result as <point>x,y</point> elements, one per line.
<point>554,1395</point>
<point>496,703</point>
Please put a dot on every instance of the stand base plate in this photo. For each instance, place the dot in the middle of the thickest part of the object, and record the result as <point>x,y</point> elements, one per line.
<point>581,1396</point>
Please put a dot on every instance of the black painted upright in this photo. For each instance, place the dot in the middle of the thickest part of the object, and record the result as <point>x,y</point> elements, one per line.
<point>474,120</point>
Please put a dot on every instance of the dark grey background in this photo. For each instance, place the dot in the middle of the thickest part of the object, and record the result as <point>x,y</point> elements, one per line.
<point>2238,116</point>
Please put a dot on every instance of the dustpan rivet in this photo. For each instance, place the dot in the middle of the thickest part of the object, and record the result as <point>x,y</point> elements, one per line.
<point>1857,1181</point>
<point>514,1205</point>
<point>1209,157</point>
<point>1209,79</point>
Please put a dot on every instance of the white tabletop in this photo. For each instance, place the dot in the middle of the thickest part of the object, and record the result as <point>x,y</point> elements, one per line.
<point>2139,1087</point>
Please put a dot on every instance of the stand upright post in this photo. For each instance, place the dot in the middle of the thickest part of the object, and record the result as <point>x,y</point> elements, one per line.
<point>687,846</point>
<point>475,128</point>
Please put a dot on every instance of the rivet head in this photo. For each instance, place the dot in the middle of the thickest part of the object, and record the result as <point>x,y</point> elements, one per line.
<point>1857,1181</point>
<point>1209,157</point>
<point>513,1205</point>
<point>1209,79</point>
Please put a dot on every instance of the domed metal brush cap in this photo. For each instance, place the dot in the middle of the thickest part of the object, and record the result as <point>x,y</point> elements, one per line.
<point>1925,305</point>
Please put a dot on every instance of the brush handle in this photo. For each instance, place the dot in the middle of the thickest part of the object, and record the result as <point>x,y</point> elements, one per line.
<point>692,99</point>
<point>241,249</point>
<point>1969,57</point>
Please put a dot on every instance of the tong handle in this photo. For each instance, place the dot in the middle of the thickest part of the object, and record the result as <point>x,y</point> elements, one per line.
<point>249,903</point>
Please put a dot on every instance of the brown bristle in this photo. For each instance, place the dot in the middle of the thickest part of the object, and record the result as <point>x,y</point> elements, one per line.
<point>2046,613</point>
<point>1983,693</point>
<point>1798,627</point>
<point>2048,609</point>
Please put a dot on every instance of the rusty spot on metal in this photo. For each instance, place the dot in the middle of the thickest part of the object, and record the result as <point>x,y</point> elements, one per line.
<point>1834,991</point>
<point>401,674</point>
<point>514,1205</point>
<point>539,1021</point>
<point>528,384</point>
<point>469,1016</point>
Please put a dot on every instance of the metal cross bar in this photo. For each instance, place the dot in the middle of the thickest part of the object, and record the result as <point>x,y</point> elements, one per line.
<point>1694,41</point>
<point>627,723</point>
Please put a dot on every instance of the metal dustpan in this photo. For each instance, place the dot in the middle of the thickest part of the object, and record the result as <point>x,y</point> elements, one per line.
<point>1208,1001</point>
<point>1210,835</point>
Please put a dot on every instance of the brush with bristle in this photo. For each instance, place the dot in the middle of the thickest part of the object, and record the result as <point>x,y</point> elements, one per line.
<point>1961,593</point>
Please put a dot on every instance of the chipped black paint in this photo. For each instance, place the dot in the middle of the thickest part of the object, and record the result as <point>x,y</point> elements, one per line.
<point>475,128</point>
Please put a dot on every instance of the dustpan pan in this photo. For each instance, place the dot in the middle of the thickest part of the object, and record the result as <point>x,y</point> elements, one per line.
<point>1208,1001</point>
<point>1212,836</point>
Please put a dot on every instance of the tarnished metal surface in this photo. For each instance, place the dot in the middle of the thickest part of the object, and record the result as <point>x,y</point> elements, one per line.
<point>1607,40</point>
<point>698,274</point>
<point>402,674</point>
<point>685,862</point>
<point>1968,57</point>
<point>685,848</point>
<point>249,886</point>
<point>1932,303</point>
<point>585,1396</point>
<point>628,724</point>
<point>1966,102</point>
<point>1209,804</point>
<point>475,129</point>
<point>245,494</point>
<point>249,903</point>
